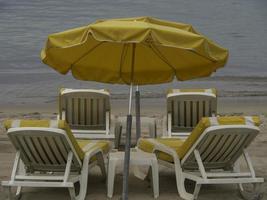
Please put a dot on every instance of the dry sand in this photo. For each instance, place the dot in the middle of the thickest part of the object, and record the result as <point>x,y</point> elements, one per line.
<point>138,189</point>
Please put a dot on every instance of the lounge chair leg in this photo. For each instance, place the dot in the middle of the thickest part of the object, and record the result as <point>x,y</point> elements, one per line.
<point>148,175</point>
<point>196,190</point>
<point>254,193</point>
<point>101,164</point>
<point>18,193</point>
<point>83,181</point>
<point>155,175</point>
<point>111,177</point>
<point>180,182</point>
<point>72,193</point>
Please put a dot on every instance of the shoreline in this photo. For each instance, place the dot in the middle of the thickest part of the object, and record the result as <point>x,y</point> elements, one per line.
<point>149,106</point>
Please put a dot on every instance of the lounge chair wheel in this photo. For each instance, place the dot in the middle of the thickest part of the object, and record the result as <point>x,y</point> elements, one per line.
<point>251,191</point>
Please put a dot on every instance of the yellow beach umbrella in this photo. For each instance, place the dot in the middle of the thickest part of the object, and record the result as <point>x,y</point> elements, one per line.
<point>134,51</point>
<point>103,52</point>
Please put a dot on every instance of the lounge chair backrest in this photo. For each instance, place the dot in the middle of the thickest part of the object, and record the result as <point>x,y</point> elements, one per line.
<point>220,146</point>
<point>186,108</point>
<point>85,109</point>
<point>43,149</point>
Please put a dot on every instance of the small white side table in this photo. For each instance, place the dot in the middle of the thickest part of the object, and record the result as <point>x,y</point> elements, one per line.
<point>137,158</point>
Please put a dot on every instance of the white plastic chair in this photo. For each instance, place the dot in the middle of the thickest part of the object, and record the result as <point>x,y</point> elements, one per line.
<point>87,112</point>
<point>185,108</point>
<point>48,157</point>
<point>213,159</point>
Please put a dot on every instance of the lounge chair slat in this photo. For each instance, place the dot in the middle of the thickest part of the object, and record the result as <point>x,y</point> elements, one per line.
<point>79,111</point>
<point>18,146</point>
<point>88,109</point>
<point>228,140</point>
<point>229,148</point>
<point>208,149</point>
<point>69,112</point>
<point>76,111</point>
<point>49,150</point>
<point>247,141</point>
<point>188,114</point>
<point>62,149</point>
<point>27,151</point>
<point>105,109</point>
<point>40,150</point>
<point>204,149</point>
<point>101,112</point>
<point>82,111</point>
<point>215,150</point>
<point>94,112</point>
<point>194,114</point>
<point>238,147</point>
<point>91,112</point>
<point>56,150</point>
<point>97,112</point>
<point>181,114</point>
<point>201,148</point>
<point>85,111</point>
<point>175,113</point>
<point>221,147</point>
<point>34,149</point>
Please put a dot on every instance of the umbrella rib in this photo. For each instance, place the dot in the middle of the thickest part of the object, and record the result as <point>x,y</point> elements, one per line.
<point>86,53</point>
<point>123,55</point>
<point>159,54</point>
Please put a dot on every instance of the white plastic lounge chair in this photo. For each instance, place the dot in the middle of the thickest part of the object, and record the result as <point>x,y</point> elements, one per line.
<point>210,154</point>
<point>48,155</point>
<point>185,107</point>
<point>88,113</point>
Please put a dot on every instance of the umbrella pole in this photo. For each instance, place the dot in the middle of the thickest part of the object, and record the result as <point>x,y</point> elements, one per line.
<point>128,135</point>
<point>137,113</point>
<point>127,149</point>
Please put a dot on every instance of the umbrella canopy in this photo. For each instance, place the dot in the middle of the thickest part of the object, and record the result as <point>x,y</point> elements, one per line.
<point>103,51</point>
<point>135,51</point>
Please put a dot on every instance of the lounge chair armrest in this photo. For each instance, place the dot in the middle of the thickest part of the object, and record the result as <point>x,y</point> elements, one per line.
<point>165,149</point>
<point>94,152</point>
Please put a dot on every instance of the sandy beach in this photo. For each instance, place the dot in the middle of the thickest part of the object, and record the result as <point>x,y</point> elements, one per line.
<point>139,189</point>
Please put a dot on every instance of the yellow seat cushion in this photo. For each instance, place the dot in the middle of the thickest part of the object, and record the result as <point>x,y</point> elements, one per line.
<point>182,147</point>
<point>148,145</point>
<point>88,145</point>
<point>61,124</point>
